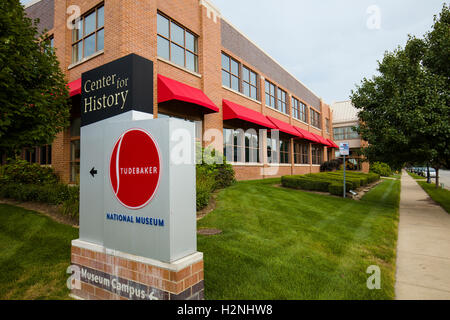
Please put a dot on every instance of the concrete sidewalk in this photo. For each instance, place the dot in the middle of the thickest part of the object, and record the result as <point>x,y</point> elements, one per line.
<point>423,248</point>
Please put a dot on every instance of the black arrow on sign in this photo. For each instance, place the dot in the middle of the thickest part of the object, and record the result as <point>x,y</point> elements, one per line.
<point>93,172</point>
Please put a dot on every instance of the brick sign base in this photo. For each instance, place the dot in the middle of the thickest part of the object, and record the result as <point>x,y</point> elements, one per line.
<point>111,275</point>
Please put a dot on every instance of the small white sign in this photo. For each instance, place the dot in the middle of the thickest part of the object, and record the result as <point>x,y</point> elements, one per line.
<point>344,149</point>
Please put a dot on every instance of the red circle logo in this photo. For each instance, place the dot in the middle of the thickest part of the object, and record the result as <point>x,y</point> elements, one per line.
<point>134,168</point>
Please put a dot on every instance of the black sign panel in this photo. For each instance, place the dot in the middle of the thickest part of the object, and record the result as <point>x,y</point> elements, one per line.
<point>119,86</point>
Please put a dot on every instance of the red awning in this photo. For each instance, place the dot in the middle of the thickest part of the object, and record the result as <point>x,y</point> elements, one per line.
<point>333,144</point>
<point>322,140</point>
<point>169,89</point>
<point>284,127</point>
<point>233,110</point>
<point>75,87</point>
<point>307,135</point>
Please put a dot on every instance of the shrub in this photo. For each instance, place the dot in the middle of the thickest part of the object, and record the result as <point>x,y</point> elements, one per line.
<point>204,186</point>
<point>21,171</point>
<point>381,168</point>
<point>50,194</point>
<point>211,176</point>
<point>336,189</point>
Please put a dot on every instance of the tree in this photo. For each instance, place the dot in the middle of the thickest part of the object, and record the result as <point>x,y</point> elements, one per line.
<point>33,91</point>
<point>405,109</point>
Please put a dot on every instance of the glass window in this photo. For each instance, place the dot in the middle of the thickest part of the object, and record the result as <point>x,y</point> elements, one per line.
<point>301,153</point>
<point>176,34</point>
<point>281,101</point>
<point>45,155</point>
<point>240,146</point>
<point>345,133</point>
<point>230,72</point>
<point>315,118</point>
<point>316,154</point>
<point>270,94</point>
<point>249,83</point>
<point>272,149</point>
<point>177,54</point>
<point>177,44</point>
<point>88,36</point>
<point>163,26</point>
<point>284,151</point>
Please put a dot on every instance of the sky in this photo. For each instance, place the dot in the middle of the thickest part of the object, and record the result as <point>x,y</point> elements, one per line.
<point>329,45</point>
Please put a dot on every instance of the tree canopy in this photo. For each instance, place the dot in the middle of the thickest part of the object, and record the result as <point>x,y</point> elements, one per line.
<point>33,91</point>
<point>405,108</point>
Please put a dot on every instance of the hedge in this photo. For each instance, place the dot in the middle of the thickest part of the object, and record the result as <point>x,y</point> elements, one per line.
<point>56,194</point>
<point>331,182</point>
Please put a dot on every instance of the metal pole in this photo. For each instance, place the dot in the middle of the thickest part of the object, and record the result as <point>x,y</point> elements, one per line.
<point>344,176</point>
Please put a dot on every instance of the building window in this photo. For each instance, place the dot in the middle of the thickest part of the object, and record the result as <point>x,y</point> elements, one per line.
<point>284,151</point>
<point>281,101</point>
<point>88,35</point>
<point>345,133</point>
<point>272,149</point>
<point>45,155</point>
<point>316,154</point>
<point>315,118</point>
<point>249,83</point>
<point>298,110</point>
<point>177,44</point>
<point>230,72</point>
<point>240,146</point>
<point>270,94</point>
<point>31,155</point>
<point>327,124</point>
<point>276,98</point>
<point>301,153</point>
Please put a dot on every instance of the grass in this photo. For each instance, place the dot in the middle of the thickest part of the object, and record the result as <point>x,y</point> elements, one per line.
<point>276,244</point>
<point>286,244</point>
<point>441,196</point>
<point>415,176</point>
<point>34,255</point>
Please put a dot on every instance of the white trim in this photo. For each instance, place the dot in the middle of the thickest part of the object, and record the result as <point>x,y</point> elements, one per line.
<point>241,94</point>
<point>85,59</point>
<point>270,57</point>
<point>211,9</point>
<point>279,165</point>
<point>301,165</point>
<point>174,266</point>
<point>316,165</point>
<point>242,164</point>
<point>179,67</point>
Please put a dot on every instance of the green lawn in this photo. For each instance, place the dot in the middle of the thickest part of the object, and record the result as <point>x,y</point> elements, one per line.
<point>276,244</point>
<point>415,176</point>
<point>286,244</point>
<point>34,255</point>
<point>441,196</point>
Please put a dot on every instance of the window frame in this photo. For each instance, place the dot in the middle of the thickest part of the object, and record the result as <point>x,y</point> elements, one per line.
<point>184,47</point>
<point>249,82</point>
<point>230,73</point>
<point>268,94</point>
<point>83,37</point>
<point>301,154</point>
<point>315,121</point>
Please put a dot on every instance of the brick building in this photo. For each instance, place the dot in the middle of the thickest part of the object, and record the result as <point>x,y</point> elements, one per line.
<point>192,47</point>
